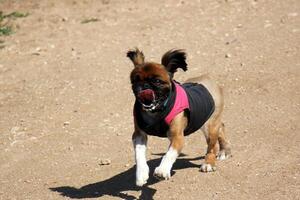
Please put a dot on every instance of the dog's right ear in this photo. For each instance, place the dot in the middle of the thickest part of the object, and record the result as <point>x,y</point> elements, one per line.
<point>174,59</point>
<point>136,56</point>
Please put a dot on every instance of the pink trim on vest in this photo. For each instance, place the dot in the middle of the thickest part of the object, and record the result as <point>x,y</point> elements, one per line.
<point>181,103</point>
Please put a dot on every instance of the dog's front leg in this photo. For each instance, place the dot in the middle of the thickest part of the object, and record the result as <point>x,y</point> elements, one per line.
<point>139,140</point>
<point>176,136</point>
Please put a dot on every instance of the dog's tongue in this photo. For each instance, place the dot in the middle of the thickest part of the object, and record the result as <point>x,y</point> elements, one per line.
<point>146,96</point>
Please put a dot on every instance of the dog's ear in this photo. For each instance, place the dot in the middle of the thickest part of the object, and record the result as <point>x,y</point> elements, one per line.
<point>136,56</point>
<point>174,59</point>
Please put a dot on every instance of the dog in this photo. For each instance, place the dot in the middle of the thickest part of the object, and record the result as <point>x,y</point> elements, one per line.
<point>166,108</point>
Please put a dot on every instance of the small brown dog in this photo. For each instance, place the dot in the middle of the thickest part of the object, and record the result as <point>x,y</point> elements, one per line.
<point>166,108</point>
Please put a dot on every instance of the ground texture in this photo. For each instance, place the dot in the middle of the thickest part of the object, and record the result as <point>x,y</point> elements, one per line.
<point>66,101</point>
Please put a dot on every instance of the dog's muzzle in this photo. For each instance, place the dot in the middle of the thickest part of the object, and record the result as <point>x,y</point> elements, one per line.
<point>147,98</point>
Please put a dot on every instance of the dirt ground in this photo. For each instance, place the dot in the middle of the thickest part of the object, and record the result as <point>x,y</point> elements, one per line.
<point>66,101</point>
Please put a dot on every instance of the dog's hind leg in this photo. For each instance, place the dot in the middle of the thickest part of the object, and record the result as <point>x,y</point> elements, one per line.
<point>215,134</point>
<point>224,151</point>
<point>211,134</point>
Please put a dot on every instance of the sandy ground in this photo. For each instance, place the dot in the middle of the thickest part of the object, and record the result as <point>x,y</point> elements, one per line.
<point>66,102</point>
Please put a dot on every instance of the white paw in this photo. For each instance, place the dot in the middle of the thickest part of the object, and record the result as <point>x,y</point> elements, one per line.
<point>223,155</point>
<point>162,173</point>
<point>142,175</point>
<point>205,167</point>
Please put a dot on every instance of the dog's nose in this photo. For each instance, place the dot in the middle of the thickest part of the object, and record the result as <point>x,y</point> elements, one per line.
<point>146,95</point>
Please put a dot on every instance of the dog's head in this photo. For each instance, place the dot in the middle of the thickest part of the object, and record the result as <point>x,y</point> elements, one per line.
<point>152,82</point>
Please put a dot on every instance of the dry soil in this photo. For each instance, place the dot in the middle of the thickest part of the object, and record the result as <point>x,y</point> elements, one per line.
<point>66,101</point>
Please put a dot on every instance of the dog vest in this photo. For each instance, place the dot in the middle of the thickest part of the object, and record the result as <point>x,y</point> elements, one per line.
<point>192,98</point>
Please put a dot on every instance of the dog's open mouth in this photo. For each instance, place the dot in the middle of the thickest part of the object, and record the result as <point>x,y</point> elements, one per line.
<point>147,98</point>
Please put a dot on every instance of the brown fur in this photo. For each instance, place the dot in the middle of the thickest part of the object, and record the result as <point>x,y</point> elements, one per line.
<point>176,135</point>
<point>149,70</point>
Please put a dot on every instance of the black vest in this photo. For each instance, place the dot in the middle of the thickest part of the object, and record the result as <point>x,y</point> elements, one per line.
<point>201,107</point>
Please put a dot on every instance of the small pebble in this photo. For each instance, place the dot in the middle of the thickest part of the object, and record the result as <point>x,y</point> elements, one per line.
<point>227,55</point>
<point>105,162</point>
<point>66,123</point>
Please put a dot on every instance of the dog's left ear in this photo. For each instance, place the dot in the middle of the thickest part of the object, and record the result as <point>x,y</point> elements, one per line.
<point>136,56</point>
<point>174,59</point>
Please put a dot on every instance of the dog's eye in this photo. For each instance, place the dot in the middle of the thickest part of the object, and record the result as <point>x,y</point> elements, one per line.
<point>157,81</point>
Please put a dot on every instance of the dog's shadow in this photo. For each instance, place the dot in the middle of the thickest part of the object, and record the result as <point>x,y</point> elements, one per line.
<point>119,184</point>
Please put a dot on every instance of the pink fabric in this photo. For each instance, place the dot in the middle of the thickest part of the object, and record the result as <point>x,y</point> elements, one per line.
<point>181,103</point>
